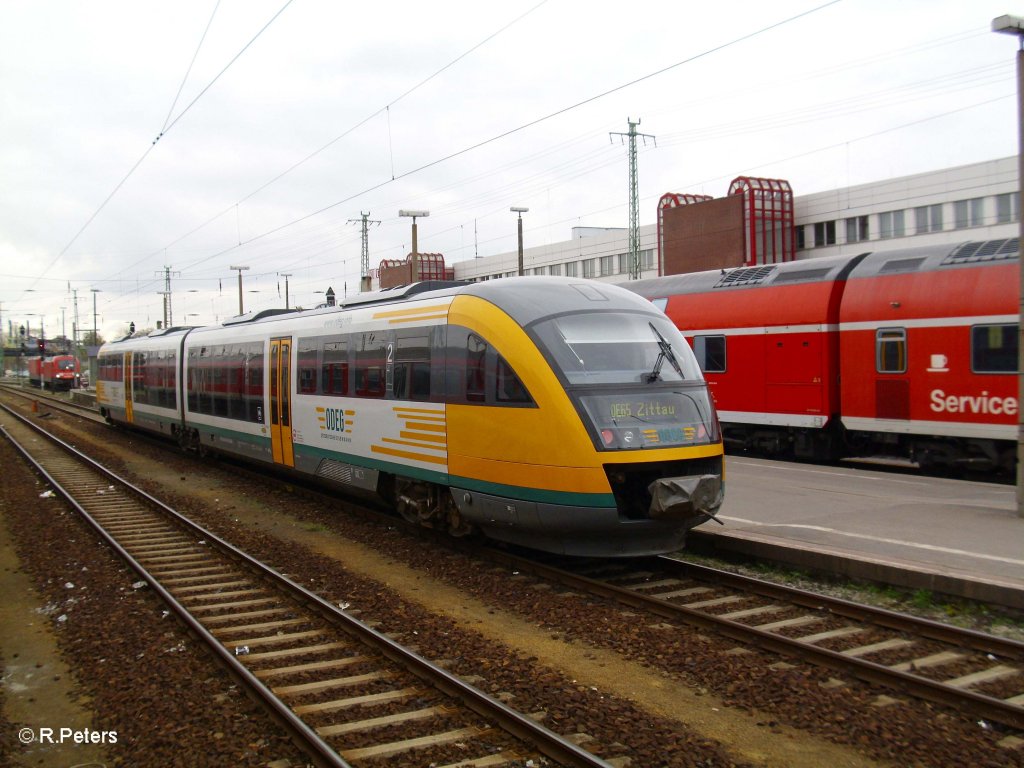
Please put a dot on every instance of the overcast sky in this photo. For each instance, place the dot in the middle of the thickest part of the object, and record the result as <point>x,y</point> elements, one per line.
<point>280,122</point>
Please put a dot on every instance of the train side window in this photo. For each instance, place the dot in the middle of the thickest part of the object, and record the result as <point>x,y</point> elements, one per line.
<point>994,348</point>
<point>139,377</point>
<point>334,369</point>
<point>476,368</point>
<point>237,405</point>
<point>891,350</point>
<point>307,366</point>
<point>172,378</point>
<point>710,353</point>
<point>369,365</point>
<point>661,304</point>
<point>253,365</point>
<point>412,365</point>
<point>508,386</point>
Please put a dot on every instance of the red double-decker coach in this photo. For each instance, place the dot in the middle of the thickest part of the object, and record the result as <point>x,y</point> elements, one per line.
<point>909,353</point>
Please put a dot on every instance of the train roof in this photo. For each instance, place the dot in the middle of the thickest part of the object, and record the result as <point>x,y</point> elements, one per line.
<point>529,299</point>
<point>525,299</point>
<point>948,256</point>
<point>831,268</point>
<point>822,269</point>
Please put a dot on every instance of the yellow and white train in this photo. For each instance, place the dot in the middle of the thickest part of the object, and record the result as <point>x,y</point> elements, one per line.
<point>566,416</point>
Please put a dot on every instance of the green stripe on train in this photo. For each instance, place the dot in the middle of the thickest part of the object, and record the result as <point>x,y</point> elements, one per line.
<point>515,492</point>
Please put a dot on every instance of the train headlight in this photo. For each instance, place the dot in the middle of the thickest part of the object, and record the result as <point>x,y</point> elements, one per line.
<point>608,436</point>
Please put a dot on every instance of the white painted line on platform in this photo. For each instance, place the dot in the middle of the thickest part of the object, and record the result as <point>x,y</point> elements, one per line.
<point>881,539</point>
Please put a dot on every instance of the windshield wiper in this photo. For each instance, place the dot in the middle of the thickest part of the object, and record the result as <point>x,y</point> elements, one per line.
<point>665,350</point>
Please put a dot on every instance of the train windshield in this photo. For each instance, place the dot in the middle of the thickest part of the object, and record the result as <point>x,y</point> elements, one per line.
<point>618,348</point>
<point>65,365</point>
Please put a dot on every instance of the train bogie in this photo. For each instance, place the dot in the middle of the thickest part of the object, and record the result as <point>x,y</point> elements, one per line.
<point>496,408</point>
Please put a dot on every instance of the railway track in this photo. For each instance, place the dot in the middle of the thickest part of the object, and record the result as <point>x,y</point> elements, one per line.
<point>973,672</point>
<point>345,692</point>
<point>978,674</point>
<point>47,400</point>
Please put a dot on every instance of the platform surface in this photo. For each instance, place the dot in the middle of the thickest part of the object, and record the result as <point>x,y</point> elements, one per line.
<point>952,536</point>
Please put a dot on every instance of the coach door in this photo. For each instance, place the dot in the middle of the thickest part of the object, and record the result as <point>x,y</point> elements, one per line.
<point>128,388</point>
<point>281,401</point>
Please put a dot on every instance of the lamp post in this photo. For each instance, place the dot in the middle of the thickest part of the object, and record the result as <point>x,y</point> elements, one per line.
<point>520,211</point>
<point>1014,25</point>
<point>95,336</point>
<point>415,266</point>
<point>240,271</point>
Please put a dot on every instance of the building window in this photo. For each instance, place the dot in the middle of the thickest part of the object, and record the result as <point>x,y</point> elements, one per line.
<point>570,268</point>
<point>1007,207</point>
<point>589,268</point>
<point>800,238</point>
<point>928,218</point>
<point>624,264</point>
<point>539,270</point>
<point>608,265</point>
<point>555,269</point>
<point>891,224</point>
<point>969,213</point>
<point>857,229</point>
<point>647,259</point>
<point>825,233</point>
<point>891,350</point>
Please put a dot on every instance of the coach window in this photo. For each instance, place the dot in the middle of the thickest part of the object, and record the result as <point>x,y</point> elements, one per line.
<point>369,365</point>
<point>139,377</point>
<point>307,366</point>
<point>891,350</point>
<point>238,407</point>
<point>710,353</point>
<point>508,387</point>
<point>476,367</point>
<point>334,369</point>
<point>221,381</point>
<point>412,365</point>
<point>994,348</point>
<point>170,378</point>
<point>253,352</point>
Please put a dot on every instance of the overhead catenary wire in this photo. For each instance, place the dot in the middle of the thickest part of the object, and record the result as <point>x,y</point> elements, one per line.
<point>564,173</point>
<point>188,71</point>
<point>524,126</point>
<point>167,127</point>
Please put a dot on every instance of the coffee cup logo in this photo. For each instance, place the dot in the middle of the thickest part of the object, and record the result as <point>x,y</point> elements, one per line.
<point>939,363</point>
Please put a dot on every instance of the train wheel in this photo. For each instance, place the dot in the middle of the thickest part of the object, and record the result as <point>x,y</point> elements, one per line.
<point>431,506</point>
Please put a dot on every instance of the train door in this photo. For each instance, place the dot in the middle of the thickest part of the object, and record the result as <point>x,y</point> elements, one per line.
<point>281,401</point>
<point>892,387</point>
<point>128,388</point>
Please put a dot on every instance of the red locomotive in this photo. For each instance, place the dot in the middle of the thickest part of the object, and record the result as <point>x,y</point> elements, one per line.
<point>60,372</point>
<point>909,353</point>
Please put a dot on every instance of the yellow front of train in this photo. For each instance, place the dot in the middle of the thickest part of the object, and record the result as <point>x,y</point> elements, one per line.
<point>595,433</point>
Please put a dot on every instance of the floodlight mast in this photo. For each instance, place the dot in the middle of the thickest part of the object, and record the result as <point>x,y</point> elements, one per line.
<point>520,211</point>
<point>414,258</point>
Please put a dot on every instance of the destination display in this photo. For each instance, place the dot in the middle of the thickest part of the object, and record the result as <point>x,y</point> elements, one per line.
<point>649,420</point>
